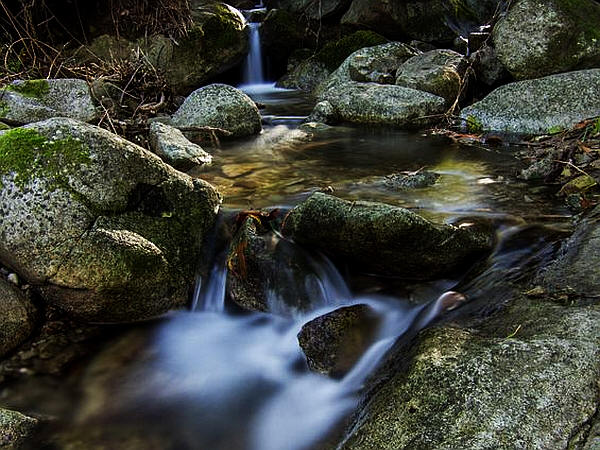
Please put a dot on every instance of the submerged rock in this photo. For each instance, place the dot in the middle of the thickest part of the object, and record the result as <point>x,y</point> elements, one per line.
<point>471,388</point>
<point>541,37</point>
<point>219,106</point>
<point>17,317</point>
<point>173,148</point>
<point>538,106</point>
<point>439,72</point>
<point>15,429</point>
<point>103,228</point>
<point>34,100</point>
<point>387,105</point>
<point>384,239</point>
<point>334,342</point>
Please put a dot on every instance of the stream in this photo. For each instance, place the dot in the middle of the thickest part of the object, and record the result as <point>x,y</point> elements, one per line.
<point>215,377</point>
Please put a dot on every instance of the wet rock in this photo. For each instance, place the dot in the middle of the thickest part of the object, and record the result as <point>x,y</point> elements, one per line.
<point>439,72</point>
<point>538,106</point>
<point>334,342</point>
<point>34,100</point>
<point>424,20</point>
<point>574,268</point>
<point>418,180</point>
<point>538,38</point>
<point>375,63</point>
<point>219,106</point>
<point>306,76</point>
<point>173,148</point>
<point>103,228</point>
<point>384,239</point>
<point>17,317</point>
<point>323,112</point>
<point>267,273</point>
<point>466,388</point>
<point>387,105</point>
<point>216,42</point>
<point>15,429</point>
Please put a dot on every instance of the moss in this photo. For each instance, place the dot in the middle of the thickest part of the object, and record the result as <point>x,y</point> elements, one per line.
<point>474,125</point>
<point>221,30</point>
<point>555,129</point>
<point>30,88</point>
<point>4,109</point>
<point>334,53</point>
<point>29,155</point>
<point>585,16</point>
<point>461,10</point>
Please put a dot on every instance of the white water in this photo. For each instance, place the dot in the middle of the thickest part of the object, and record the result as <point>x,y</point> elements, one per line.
<point>253,69</point>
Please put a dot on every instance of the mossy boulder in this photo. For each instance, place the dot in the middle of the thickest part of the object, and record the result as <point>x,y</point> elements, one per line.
<point>313,10</point>
<point>439,72</point>
<point>538,38</point>
<point>334,342</point>
<point>438,21</point>
<point>101,227</point>
<point>384,239</point>
<point>173,148</point>
<point>538,106</point>
<point>480,386</point>
<point>306,76</point>
<point>17,317</point>
<point>15,429</point>
<point>383,105</point>
<point>26,101</point>
<point>219,106</point>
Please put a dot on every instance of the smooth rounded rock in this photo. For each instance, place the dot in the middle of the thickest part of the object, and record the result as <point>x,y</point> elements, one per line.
<point>173,147</point>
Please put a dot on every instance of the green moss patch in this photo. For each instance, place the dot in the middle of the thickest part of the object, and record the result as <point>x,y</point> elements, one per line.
<point>30,88</point>
<point>29,155</point>
<point>334,53</point>
<point>474,125</point>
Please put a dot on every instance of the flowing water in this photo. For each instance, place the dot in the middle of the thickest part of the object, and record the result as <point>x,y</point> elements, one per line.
<point>218,378</point>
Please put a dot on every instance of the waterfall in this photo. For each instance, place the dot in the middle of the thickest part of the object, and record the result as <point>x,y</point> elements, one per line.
<point>253,69</point>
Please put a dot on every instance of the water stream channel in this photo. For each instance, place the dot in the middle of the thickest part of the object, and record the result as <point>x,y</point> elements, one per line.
<point>215,377</point>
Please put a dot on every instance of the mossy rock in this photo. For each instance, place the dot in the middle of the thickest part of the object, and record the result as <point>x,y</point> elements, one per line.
<point>333,54</point>
<point>15,429</point>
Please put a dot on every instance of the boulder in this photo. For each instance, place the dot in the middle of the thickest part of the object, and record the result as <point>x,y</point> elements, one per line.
<point>306,76</point>
<point>384,239</point>
<point>425,20</point>
<point>34,100</point>
<point>376,63</point>
<point>103,228</point>
<point>439,72</point>
<point>538,106</point>
<point>315,10</point>
<point>334,342</point>
<point>219,106</point>
<point>472,387</point>
<point>17,317</point>
<point>216,42</point>
<point>323,112</point>
<point>574,268</point>
<point>488,68</point>
<point>267,273</point>
<point>15,429</point>
<point>387,105</point>
<point>538,38</point>
<point>173,148</point>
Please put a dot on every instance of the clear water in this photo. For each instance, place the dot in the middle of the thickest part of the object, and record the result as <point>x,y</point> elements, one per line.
<point>216,378</point>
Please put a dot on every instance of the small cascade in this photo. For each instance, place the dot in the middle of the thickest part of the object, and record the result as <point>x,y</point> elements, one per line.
<point>253,69</point>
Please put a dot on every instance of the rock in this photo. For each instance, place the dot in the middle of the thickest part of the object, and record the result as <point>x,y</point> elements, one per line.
<point>538,106</point>
<point>15,429</point>
<point>17,317</point>
<point>573,269</point>
<point>215,43</point>
<point>306,76</point>
<point>416,180</point>
<point>538,38</point>
<point>315,10</point>
<point>280,34</point>
<point>334,342</point>
<point>103,228</point>
<point>425,20</point>
<point>370,64</point>
<point>34,100</point>
<point>466,388</point>
<point>383,239</point>
<point>323,112</point>
<point>173,148</point>
<point>334,53</point>
<point>388,105</point>
<point>267,273</point>
<point>219,106</point>
<point>488,68</point>
<point>439,72</point>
